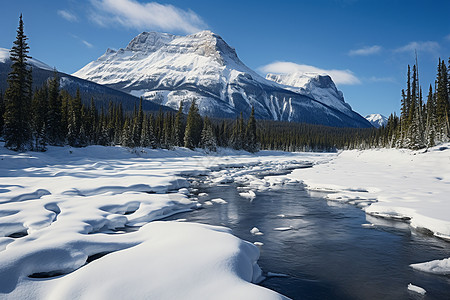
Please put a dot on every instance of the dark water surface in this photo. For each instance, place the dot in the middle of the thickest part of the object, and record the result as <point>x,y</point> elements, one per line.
<point>327,254</point>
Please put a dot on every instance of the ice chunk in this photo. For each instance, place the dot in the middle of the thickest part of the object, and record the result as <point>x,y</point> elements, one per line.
<point>249,195</point>
<point>255,231</point>
<point>203,195</point>
<point>183,191</point>
<point>416,289</point>
<point>367,225</point>
<point>440,267</point>
<point>219,201</point>
<point>283,228</point>
<point>259,244</point>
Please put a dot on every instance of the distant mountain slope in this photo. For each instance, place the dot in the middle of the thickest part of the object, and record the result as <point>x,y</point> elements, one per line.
<point>101,94</point>
<point>377,120</point>
<point>169,69</point>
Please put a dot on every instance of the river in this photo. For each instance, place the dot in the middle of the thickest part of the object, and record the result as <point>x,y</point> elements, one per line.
<point>322,247</point>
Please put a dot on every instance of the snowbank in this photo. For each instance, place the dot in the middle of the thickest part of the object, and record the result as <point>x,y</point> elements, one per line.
<point>399,184</point>
<point>79,223</point>
<point>404,185</point>
<point>440,267</point>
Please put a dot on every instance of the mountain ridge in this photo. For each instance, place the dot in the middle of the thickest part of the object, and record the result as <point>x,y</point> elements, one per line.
<point>170,70</point>
<point>102,95</point>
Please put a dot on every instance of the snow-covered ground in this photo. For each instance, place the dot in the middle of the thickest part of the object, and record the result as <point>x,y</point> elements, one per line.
<point>80,223</point>
<point>404,185</point>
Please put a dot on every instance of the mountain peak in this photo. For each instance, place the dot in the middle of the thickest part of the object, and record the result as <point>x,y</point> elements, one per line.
<point>150,41</point>
<point>301,80</point>
<point>377,120</point>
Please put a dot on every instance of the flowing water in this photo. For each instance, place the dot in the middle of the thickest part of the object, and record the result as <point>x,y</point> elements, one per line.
<point>326,253</point>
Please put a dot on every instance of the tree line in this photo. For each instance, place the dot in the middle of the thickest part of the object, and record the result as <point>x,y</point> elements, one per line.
<point>421,123</point>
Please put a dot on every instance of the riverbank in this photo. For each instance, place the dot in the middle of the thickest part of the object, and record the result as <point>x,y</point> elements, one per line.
<point>78,222</point>
<point>404,185</point>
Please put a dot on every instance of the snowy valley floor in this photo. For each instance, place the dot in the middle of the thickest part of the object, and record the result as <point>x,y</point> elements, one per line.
<point>82,223</point>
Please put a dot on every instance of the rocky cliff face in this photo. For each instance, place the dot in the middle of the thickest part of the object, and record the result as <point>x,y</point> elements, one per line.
<point>169,69</point>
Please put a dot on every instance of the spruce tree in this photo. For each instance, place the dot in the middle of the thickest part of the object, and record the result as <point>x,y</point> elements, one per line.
<point>208,139</point>
<point>137,125</point>
<point>55,129</point>
<point>39,118</point>
<point>74,121</point>
<point>251,141</point>
<point>194,125</point>
<point>17,120</point>
<point>178,127</point>
<point>126,139</point>
<point>431,119</point>
<point>151,132</point>
<point>2,111</point>
<point>442,102</point>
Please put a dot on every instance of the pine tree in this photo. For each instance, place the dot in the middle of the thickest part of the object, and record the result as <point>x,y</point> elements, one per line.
<point>168,131</point>
<point>17,121</point>
<point>2,111</point>
<point>208,139</point>
<point>238,136</point>
<point>194,125</point>
<point>178,127</point>
<point>55,129</point>
<point>74,121</point>
<point>137,125</point>
<point>442,103</point>
<point>126,139</point>
<point>431,119</point>
<point>39,118</point>
<point>151,132</point>
<point>93,119</point>
<point>251,141</point>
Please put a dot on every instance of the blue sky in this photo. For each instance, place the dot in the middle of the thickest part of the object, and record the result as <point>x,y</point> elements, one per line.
<point>364,44</point>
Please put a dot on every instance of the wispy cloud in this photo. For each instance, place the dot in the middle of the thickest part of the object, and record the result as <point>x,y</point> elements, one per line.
<point>84,42</point>
<point>365,51</point>
<point>428,46</point>
<point>87,44</point>
<point>67,15</point>
<point>447,37</point>
<point>145,16</point>
<point>284,67</point>
<point>381,79</point>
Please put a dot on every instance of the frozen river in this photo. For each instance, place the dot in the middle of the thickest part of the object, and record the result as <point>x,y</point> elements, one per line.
<point>323,247</point>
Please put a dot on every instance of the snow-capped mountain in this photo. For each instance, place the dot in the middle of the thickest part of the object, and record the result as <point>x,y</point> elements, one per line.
<point>4,58</point>
<point>377,120</point>
<point>102,95</point>
<point>318,86</point>
<point>169,69</point>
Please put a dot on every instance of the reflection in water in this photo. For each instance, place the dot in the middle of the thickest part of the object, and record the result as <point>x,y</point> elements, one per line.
<point>327,254</point>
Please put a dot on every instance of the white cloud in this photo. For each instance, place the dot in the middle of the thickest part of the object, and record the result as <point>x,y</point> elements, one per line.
<point>382,79</point>
<point>145,16</point>
<point>369,50</point>
<point>87,44</point>
<point>67,15</point>
<point>84,42</point>
<point>428,46</point>
<point>284,67</point>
